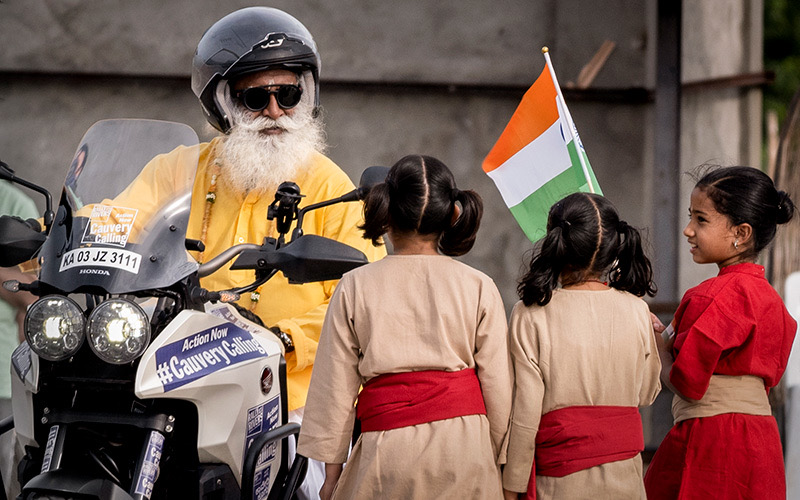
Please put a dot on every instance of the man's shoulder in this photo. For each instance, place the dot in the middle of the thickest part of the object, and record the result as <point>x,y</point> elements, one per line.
<point>324,177</point>
<point>320,165</point>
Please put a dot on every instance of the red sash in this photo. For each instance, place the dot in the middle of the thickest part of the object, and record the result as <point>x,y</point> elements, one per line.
<point>579,437</point>
<point>395,400</point>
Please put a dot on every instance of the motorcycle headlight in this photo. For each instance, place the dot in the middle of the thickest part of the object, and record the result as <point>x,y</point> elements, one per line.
<point>118,331</point>
<point>54,327</point>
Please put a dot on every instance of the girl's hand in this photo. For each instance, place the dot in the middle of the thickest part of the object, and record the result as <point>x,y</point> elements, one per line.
<point>658,329</point>
<point>664,352</point>
<point>326,492</point>
<point>658,326</point>
<point>332,473</point>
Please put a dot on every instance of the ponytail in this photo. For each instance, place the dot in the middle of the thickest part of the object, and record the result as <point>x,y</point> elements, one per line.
<point>376,213</point>
<point>459,237</point>
<point>785,208</point>
<point>633,272</point>
<point>537,285</point>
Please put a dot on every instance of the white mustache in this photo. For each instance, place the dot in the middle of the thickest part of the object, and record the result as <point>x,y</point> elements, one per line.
<point>260,123</point>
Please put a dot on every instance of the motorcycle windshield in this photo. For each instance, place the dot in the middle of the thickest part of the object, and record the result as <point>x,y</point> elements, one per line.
<point>121,222</point>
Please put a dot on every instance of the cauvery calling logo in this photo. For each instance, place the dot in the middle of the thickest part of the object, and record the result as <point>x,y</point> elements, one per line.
<point>203,353</point>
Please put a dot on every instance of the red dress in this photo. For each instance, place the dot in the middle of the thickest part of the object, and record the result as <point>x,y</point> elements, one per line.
<point>733,324</point>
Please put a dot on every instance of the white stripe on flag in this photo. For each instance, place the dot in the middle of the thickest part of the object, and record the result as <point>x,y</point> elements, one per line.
<point>532,166</point>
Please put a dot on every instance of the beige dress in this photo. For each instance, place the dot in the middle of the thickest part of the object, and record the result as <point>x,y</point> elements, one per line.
<point>411,313</point>
<point>583,348</point>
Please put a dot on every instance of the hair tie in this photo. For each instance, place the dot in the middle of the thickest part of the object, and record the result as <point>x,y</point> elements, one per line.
<point>564,224</point>
<point>454,194</point>
<point>622,226</point>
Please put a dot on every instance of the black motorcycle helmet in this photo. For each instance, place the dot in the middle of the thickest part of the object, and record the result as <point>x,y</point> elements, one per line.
<point>247,41</point>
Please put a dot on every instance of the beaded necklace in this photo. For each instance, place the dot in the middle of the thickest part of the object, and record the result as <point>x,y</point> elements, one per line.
<point>211,197</point>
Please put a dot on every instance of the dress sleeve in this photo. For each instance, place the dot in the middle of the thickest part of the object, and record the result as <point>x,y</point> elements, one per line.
<point>330,408</point>
<point>528,396</point>
<point>706,327</point>
<point>493,364</point>
<point>651,372</point>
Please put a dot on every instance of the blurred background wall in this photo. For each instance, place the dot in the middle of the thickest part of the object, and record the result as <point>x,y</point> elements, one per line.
<point>681,87</point>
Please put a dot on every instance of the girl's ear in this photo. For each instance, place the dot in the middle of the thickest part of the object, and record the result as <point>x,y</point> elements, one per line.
<point>743,233</point>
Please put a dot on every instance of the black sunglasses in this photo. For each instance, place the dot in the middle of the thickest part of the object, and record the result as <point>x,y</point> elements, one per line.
<point>257,98</point>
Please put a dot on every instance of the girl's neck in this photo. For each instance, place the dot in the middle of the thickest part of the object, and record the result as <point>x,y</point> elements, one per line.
<point>412,243</point>
<point>584,283</point>
<point>733,262</point>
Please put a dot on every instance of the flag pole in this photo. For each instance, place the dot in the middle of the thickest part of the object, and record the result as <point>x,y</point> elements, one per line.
<point>573,132</point>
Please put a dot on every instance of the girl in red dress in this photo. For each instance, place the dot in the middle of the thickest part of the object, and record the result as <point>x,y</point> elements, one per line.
<point>728,343</point>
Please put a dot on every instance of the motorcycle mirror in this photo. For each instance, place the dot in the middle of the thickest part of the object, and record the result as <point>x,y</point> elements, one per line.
<point>373,175</point>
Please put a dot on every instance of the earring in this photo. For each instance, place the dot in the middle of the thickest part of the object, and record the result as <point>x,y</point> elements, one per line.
<point>736,244</point>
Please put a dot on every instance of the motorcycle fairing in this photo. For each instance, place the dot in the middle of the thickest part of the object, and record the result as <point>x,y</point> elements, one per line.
<point>24,384</point>
<point>227,400</point>
<point>26,365</point>
<point>203,353</point>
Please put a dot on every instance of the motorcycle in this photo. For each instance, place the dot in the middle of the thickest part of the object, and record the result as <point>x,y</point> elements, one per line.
<point>134,382</point>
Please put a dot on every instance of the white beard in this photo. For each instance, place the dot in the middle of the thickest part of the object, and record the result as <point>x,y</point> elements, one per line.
<point>253,161</point>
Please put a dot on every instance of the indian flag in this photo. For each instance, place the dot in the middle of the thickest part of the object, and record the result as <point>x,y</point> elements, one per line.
<point>535,161</point>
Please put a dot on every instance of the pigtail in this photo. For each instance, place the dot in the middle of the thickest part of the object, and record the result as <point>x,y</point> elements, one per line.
<point>633,272</point>
<point>537,285</point>
<point>786,208</point>
<point>459,237</point>
<point>376,213</point>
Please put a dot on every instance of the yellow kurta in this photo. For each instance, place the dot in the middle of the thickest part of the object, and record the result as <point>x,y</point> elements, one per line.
<point>411,313</point>
<point>583,348</point>
<point>296,309</point>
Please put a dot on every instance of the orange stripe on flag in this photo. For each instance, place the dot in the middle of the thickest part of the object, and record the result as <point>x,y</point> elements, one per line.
<point>536,113</point>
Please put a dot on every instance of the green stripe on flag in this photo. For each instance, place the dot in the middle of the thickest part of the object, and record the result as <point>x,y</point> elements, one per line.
<point>576,163</point>
<point>531,213</point>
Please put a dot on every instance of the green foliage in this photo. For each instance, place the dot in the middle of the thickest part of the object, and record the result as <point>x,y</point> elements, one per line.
<point>781,53</point>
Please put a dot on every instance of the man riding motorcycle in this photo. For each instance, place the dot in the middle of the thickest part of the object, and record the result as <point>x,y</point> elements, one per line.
<point>256,74</point>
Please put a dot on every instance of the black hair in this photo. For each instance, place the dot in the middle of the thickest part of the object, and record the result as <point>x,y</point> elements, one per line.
<point>420,195</point>
<point>585,236</point>
<point>748,195</point>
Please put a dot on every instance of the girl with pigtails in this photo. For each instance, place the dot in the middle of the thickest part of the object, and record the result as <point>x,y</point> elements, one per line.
<point>585,359</point>
<point>426,337</point>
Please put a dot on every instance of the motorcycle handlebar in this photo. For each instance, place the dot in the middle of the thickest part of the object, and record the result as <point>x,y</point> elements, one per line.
<point>223,258</point>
